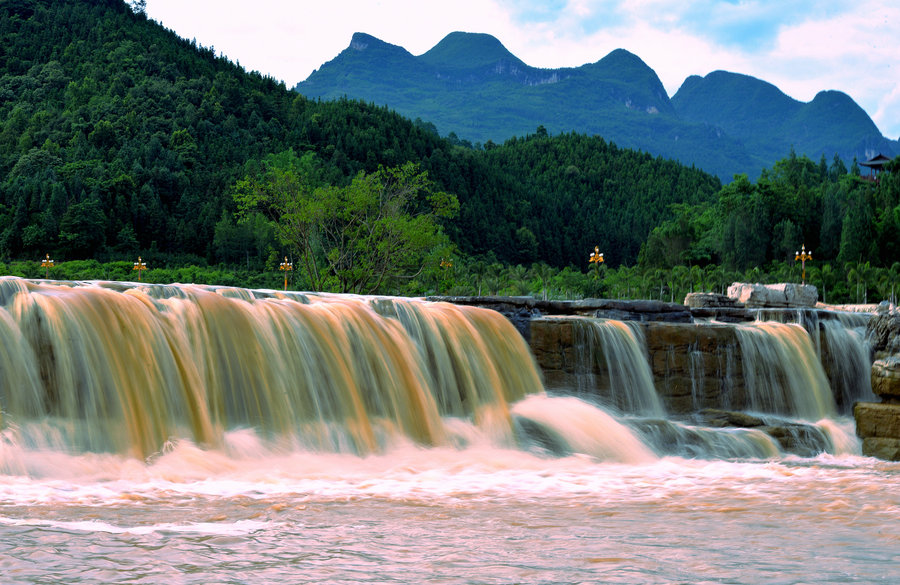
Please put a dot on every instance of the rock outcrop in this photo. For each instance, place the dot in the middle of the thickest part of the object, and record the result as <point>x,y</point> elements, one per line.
<point>878,423</point>
<point>883,330</point>
<point>886,379</point>
<point>774,295</point>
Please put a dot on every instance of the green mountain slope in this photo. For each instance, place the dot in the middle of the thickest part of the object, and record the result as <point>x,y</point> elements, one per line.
<point>470,84</point>
<point>770,123</point>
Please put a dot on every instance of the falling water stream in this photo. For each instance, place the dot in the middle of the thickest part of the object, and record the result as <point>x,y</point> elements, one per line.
<point>198,435</point>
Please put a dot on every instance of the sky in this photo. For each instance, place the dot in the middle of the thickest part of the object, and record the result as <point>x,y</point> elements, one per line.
<point>801,46</point>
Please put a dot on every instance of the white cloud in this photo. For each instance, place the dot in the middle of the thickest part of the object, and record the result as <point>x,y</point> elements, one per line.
<point>854,53</point>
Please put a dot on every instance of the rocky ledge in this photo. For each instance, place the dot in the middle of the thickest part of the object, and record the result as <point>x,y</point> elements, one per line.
<point>521,310</point>
<point>878,423</point>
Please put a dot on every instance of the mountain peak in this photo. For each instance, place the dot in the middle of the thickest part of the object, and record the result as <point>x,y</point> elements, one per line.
<point>465,49</point>
<point>623,57</point>
<point>361,41</point>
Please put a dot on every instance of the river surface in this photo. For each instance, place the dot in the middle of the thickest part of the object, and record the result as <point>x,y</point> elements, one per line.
<point>259,515</point>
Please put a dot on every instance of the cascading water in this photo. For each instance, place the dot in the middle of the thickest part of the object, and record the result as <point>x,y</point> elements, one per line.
<point>782,382</point>
<point>848,360</point>
<point>614,367</point>
<point>129,369</point>
<point>782,373</point>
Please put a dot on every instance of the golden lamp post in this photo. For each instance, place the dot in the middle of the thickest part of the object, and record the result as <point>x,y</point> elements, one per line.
<point>48,264</point>
<point>285,267</point>
<point>140,266</point>
<point>803,256</point>
<point>596,257</point>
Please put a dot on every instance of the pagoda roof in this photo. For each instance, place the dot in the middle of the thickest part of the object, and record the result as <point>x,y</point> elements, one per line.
<point>876,161</point>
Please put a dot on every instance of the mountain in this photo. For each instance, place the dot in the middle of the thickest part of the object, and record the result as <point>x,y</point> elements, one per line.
<point>771,123</point>
<point>471,85</point>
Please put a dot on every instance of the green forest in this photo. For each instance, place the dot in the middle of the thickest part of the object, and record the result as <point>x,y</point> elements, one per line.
<point>119,139</point>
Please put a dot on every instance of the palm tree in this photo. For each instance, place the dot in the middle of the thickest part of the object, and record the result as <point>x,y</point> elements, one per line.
<point>493,278</point>
<point>517,279</point>
<point>478,271</point>
<point>543,272</point>
<point>815,275</point>
<point>862,273</point>
<point>660,276</point>
<point>892,275</point>
<point>756,275</point>
<point>680,279</point>
<point>696,277</point>
<point>827,276</point>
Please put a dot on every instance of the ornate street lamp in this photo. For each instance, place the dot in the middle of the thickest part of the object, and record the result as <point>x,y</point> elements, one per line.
<point>285,267</point>
<point>596,259</point>
<point>48,264</point>
<point>803,256</point>
<point>140,266</point>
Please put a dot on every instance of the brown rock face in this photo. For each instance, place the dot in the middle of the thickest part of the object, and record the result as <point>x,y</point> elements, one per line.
<point>887,449</point>
<point>874,420</point>
<point>693,365</point>
<point>879,427</point>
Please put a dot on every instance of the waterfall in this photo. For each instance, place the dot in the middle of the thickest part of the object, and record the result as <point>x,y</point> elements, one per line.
<point>782,373</point>
<point>847,360</point>
<point>133,369</point>
<point>127,368</point>
<point>613,366</point>
<point>566,424</point>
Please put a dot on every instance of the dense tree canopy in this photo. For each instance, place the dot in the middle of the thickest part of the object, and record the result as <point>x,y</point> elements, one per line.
<point>118,138</point>
<point>355,238</point>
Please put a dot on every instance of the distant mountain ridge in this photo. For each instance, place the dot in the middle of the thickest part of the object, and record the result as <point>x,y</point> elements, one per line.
<point>724,123</point>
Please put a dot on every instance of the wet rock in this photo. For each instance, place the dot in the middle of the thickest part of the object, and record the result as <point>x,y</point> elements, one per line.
<point>883,330</point>
<point>727,418</point>
<point>887,449</point>
<point>799,439</point>
<point>886,379</point>
<point>698,300</point>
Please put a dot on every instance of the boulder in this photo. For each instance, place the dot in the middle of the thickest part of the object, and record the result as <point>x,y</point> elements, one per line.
<point>700,300</point>
<point>728,418</point>
<point>883,330</point>
<point>886,379</point>
<point>774,295</point>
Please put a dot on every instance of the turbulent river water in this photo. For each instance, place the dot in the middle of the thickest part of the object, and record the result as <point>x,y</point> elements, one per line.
<point>472,515</point>
<point>234,499</point>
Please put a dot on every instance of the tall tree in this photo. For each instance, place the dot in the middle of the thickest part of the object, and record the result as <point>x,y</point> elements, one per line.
<point>358,238</point>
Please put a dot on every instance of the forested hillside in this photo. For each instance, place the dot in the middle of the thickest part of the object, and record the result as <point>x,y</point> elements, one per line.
<point>119,139</point>
<point>470,85</point>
